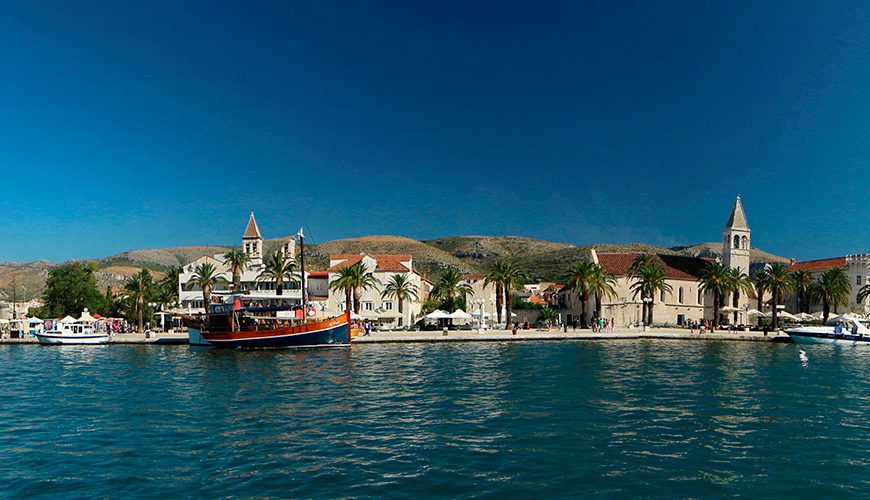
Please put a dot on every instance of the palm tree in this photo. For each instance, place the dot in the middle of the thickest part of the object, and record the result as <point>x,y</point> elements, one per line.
<point>238,261</point>
<point>579,278</point>
<point>400,288</point>
<point>512,276</point>
<point>451,285</point>
<point>716,278</point>
<point>278,268</point>
<point>778,280</point>
<point>138,288</point>
<point>603,284</point>
<point>759,279</point>
<point>354,280</point>
<point>170,281</point>
<point>802,280</point>
<point>649,278</point>
<point>863,292</point>
<point>343,283</point>
<point>496,277</point>
<point>738,282</point>
<point>207,278</point>
<point>832,289</point>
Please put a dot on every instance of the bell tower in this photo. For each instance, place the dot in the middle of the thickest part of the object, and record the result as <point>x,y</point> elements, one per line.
<point>735,239</point>
<point>252,243</point>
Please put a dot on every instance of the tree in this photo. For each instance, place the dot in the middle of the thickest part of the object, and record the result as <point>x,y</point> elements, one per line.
<point>506,276</point>
<point>579,279</point>
<point>649,278</point>
<point>759,279</point>
<point>170,282</point>
<point>279,269</point>
<point>602,284</point>
<point>863,292</point>
<point>238,262</point>
<point>354,280</point>
<point>138,287</point>
<point>400,288</point>
<point>802,280</point>
<point>832,289</point>
<point>495,277</point>
<point>451,285</point>
<point>778,281</point>
<point>548,314</point>
<point>70,289</point>
<point>206,277</point>
<point>716,278</point>
<point>738,282</point>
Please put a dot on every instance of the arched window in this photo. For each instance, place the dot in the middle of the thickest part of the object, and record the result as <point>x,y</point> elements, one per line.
<point>699,296</point>
<point>745,242</point>
<point>680,295</point>
<point>736,241</point>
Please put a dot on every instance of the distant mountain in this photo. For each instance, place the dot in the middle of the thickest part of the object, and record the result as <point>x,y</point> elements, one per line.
<point>544,260</point>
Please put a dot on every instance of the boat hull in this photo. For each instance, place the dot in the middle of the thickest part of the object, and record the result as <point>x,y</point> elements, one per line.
<point>846,339</point>
<point>59,339</point>
<point>329,333</point>
<point>194,337</point>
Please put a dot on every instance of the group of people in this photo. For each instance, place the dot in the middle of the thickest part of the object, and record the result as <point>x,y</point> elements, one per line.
<point>602,325</point>
<point>701,326</point>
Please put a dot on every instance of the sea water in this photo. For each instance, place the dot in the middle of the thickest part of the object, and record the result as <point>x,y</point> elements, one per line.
<point>543,419</point>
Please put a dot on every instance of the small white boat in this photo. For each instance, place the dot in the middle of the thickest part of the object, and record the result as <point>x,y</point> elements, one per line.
<point>78,332</point>
<point>848,332</point>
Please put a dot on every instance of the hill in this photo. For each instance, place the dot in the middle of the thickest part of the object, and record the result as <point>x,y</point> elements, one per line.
<point>544,260</point>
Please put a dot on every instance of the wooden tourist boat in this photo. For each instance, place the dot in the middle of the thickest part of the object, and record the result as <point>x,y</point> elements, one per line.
<point>256,328</point>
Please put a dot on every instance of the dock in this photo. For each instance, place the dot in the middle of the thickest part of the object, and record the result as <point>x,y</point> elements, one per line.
<point>553,334</point>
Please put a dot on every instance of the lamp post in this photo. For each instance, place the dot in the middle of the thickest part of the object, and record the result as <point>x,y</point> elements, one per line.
<point>648,302</point>
<point>480,303</point>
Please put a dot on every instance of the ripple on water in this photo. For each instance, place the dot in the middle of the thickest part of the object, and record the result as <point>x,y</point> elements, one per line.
<point>546,419</point>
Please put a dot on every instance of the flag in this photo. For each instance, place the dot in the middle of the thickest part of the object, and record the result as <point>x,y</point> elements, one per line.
<point>301,234</point>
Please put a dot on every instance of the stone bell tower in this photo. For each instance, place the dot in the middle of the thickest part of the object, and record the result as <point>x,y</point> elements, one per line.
<point>735,239</point>
<point>252,243</point>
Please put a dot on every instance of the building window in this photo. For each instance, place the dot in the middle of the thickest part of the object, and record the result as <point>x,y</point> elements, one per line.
<point>858,280</point>
<point>699,296</point>
<point>369,306</point>
<point>736,241</point>
<point>681,295</point>
<point>663,296</point>
<point>745,242</point>
<point>388,306</point>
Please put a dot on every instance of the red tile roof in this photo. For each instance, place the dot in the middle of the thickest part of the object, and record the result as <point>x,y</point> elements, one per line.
<point>675,266</point>
<point>818,265</point>
<point>318,274</point>
<point>473,276</point>
<point>385,262</point>
<point>252,231</point>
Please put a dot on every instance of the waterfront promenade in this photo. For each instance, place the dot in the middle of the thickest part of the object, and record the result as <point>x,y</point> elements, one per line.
<point>554,334</point>
<point>487,336</point>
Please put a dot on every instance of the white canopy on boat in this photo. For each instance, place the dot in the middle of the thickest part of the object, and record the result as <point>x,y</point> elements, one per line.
<point>68,319</point>
<point>459,314</point>
<point>437,314</point>
<point>35,321</point>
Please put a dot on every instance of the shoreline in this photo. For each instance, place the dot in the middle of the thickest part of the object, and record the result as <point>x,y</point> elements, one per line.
<point>483,336</point>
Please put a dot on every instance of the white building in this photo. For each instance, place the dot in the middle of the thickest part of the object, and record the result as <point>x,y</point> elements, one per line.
<point>381,310</point>
<point>254,290</point>
<point>857,269</point>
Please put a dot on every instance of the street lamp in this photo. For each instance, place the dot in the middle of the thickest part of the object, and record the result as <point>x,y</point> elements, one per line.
<point>480,303</point>
<point>648,302</point>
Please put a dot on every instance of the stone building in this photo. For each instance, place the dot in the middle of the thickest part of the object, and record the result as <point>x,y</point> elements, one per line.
<point>857,268</point>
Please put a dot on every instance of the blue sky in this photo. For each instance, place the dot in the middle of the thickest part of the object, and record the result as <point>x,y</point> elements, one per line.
<point>149,124</point>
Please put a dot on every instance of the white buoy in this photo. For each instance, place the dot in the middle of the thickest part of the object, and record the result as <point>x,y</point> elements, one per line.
<point>803,356</point>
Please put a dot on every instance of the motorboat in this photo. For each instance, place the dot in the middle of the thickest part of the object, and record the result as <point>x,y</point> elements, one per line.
<point>72,333</point>
<point>846,332</point>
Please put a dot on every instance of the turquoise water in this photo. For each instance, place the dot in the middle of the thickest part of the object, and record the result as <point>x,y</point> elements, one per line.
<point>623,418</point>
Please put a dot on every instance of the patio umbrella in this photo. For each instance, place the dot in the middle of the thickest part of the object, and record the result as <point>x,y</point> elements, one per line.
<point>460,314</point>
<point>437,314</point>
<point>755,313</point>
<point>729,309</point>
<point>805,316</point>
<point>787,315</point>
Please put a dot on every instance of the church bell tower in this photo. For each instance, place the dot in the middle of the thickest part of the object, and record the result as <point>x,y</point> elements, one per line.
<point>735,239</point>
<point>252,243</point>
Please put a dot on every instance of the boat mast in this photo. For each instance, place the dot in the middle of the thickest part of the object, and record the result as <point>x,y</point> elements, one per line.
<point>302,266</point>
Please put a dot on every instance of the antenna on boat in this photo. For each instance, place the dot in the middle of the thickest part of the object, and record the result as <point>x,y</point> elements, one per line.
<point>301,235</point>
